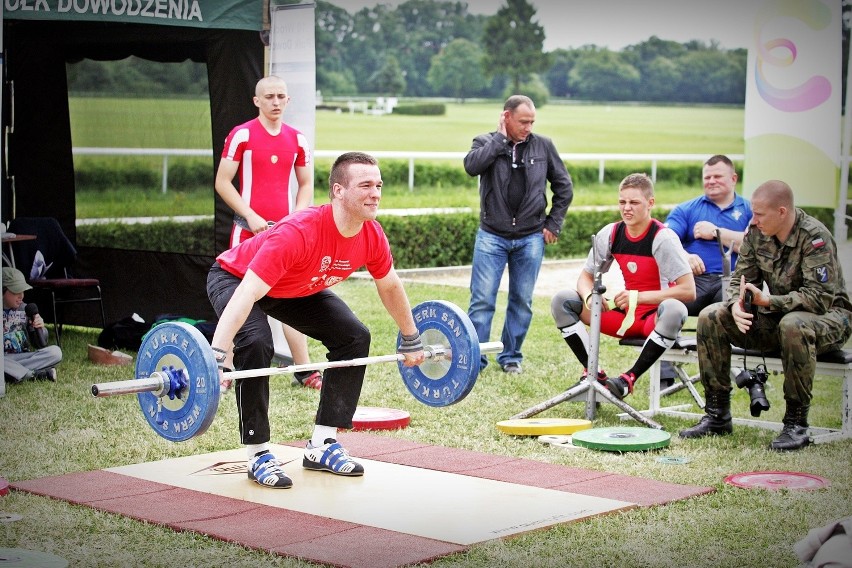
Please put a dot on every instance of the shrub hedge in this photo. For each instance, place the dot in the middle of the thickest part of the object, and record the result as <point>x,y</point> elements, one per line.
<point>193,237</point>
<point>421,109</point>
<point>189,173</point>
<point>417,241</point>
<point>102,173</point>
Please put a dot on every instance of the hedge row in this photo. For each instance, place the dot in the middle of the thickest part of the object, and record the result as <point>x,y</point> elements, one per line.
<point>417,241</point>
<point>421,109</point>
<point>395,172</point>
<point>194,237</point>
<point>100,174</point>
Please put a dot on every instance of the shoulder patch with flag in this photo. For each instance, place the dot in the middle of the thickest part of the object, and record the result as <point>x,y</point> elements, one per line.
<point>818,242</point>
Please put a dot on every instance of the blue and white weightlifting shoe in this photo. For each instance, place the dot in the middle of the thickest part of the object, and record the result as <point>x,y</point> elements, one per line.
<point>331,457</point>
<point>268,470</point>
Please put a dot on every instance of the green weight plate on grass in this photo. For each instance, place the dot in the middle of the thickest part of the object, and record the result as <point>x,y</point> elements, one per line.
<point>619,439</point>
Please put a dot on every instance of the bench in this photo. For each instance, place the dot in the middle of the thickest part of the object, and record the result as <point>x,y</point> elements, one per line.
<point>836,363</point>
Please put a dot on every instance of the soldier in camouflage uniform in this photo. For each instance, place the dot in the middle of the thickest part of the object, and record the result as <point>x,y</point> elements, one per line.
<point>805,312</point>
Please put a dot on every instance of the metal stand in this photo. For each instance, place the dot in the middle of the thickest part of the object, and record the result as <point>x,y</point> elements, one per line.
<point>591,385</point>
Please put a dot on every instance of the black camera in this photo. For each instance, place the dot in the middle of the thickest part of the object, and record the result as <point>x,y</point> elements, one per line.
<point>748,298</point>
<point>754,380</point>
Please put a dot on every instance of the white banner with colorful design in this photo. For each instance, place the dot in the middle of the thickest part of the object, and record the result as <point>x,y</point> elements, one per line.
<point>793,99</point>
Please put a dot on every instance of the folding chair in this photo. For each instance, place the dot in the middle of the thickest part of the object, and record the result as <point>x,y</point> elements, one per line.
<point>47,263</point>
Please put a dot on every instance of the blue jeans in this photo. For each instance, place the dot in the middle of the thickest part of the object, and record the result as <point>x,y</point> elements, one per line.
<point>491,254</point>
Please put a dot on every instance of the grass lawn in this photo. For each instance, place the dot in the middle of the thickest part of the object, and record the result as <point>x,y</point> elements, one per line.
<point>53,429</point>
<point>575,128</point>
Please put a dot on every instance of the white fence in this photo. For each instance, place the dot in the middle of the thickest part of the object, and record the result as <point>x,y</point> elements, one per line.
<point>164,152</point>
<point>601,159</point>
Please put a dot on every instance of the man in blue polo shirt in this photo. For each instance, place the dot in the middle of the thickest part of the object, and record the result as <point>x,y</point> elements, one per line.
<point>695,222</point>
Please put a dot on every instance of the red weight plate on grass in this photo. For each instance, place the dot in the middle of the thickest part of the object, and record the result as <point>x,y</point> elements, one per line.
<point>776,480</point>
<point>375,418</point>
<point>4,487</point>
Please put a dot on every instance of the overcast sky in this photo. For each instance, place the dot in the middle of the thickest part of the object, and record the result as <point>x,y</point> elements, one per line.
<point>618,23</point>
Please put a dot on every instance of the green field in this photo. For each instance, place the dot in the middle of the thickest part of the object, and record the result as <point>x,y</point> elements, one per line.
<point>575,128</point>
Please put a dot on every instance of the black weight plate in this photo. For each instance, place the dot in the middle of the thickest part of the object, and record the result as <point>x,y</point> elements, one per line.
<point>619,439</point>
<point>182,346</point>
<point>448,380</point>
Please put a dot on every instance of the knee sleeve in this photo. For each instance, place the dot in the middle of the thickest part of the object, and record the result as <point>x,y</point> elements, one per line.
<point>671,315</point>
<point>566,307</point>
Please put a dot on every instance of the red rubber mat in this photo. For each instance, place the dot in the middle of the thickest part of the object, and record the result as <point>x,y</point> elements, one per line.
<point>332,541</point>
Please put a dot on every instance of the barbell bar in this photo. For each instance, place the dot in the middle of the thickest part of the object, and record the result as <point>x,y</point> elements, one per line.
<point>177,380</point>
<point>159,383</point>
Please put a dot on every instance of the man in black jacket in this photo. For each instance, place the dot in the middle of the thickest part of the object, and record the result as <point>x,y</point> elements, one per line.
<point>514,166</point>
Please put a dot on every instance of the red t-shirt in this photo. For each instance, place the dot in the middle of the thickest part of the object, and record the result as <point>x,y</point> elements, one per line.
<point>306,252</point>
<point>266,162</point>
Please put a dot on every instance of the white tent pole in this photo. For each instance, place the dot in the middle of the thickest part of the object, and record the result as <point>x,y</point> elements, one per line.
<point>840,216</point>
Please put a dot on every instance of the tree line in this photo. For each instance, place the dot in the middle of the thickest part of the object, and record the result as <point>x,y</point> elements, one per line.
<point>435,48</point>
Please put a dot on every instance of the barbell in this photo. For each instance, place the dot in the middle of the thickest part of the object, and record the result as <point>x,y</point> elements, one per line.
<point>177,380</point>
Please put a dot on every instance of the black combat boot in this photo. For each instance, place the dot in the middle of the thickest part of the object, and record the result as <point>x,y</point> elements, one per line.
<point>794,435</point>
<point>716,421</point>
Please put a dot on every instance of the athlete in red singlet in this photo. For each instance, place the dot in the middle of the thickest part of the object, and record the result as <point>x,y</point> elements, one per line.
<point>657,278</point>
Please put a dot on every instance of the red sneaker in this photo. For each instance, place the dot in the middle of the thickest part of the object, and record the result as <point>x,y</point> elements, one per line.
<point>312,381</point>
<point>621,386</point>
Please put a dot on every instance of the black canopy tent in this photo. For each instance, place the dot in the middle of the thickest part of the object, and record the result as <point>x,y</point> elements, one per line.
<point>38,178</point>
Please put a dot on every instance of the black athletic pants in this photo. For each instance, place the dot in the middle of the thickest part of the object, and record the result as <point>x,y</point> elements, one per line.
<point>322,316</point>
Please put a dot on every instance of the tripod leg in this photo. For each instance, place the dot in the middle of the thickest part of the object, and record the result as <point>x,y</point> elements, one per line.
<point>550,403</point>
<point>604,392</point>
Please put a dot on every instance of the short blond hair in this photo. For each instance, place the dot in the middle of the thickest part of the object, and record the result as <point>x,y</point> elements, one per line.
<point>269,80</point>
<point>639,181</point>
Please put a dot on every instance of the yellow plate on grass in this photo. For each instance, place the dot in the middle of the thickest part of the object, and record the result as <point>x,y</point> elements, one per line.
<point>540,426</point>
